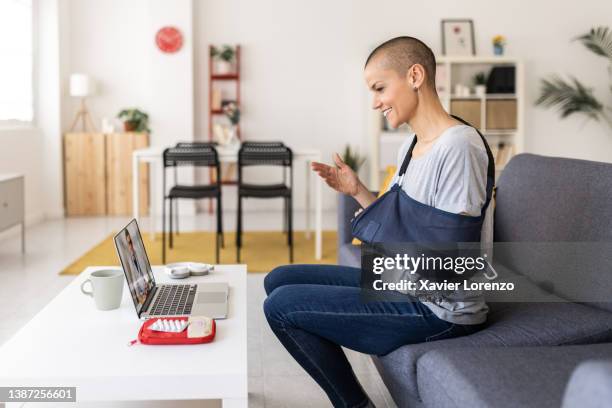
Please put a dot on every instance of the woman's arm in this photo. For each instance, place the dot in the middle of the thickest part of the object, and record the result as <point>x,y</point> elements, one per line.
<point>344,180</point>
<point>364,196</point>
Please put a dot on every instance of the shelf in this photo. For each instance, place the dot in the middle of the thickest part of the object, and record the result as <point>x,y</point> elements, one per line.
<point>501,96</point>
<point>487,96</point>
<point>225,77</point>
<point>499,132</point>
<point>489,59</point>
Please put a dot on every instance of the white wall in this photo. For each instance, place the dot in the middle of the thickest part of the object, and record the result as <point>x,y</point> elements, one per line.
<point>302,67</point>
<point>303,63</point>
<point>114,42</point>
<point>51,18</point>
<point>22,153</point>
<point>35,150</point>
<point>170,82</point>
<point>109,40</point>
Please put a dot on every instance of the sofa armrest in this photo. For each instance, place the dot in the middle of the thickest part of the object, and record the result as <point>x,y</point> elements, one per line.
<point>589,385</point>
<point>347,207</point>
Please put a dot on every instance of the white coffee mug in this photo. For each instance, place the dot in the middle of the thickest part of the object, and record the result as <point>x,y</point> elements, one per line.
<point>107,288</point>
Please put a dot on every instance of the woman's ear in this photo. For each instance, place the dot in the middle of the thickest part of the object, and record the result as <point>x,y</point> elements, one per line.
<point>416,76</point>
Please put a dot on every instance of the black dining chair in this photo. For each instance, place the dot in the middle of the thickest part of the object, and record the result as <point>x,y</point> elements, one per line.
<point>266,154</point>
<point>176,208</point>
<point>196,155</point>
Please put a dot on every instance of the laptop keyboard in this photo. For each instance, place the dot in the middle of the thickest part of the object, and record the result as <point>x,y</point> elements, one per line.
<point>173,300</point>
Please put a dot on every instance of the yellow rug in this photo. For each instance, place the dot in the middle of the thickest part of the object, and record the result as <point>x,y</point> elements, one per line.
<point>261,251</point>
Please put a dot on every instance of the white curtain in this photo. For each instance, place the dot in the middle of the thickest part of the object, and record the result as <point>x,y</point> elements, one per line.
<point>16,90</point>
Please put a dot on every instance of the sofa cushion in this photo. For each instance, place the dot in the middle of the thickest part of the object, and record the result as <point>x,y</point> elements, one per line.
<point>589,385</point>
<point>549,199</point>
<point>501,377</point>
<point>508,324</point>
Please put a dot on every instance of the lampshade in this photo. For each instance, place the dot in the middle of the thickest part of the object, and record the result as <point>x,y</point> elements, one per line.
<point>81,85</point>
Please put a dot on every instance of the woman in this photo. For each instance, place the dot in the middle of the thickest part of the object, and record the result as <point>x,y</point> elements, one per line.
<point>445,174</point>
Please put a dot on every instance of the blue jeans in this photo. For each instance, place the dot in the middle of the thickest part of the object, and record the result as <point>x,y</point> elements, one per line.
<point>315,309</point>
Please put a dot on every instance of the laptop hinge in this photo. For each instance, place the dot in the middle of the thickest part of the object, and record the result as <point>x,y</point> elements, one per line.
<point>148,301</point>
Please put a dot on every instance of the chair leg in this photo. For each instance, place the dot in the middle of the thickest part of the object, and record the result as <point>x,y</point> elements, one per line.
<point>176,219</point>
<point>164,231</point>
<point>219,228</point>
<point>239,229</point>
<point>290,228</point>
<point>285,215</point>
<point>286,219</point>
<point>220,223</point>
<point>171,205</point>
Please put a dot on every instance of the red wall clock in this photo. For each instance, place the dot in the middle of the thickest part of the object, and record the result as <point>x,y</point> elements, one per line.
<point>169,39</point>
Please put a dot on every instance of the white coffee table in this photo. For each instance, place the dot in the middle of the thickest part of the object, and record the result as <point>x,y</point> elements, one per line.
<point>71,343</point>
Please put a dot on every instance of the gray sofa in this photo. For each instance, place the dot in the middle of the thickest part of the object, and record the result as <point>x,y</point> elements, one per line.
<point>528,351</point>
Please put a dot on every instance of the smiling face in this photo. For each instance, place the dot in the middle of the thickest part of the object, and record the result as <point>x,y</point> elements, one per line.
<point>393,94</point>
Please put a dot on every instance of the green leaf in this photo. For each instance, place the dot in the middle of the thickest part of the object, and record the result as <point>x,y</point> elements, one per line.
<point>352,158</point>
<point>138,118</point>
<point>598,40</point>
<point>569,97</point>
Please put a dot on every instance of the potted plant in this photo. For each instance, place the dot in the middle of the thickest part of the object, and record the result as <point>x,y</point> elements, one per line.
<point>134,120</point>
<point>480,81</point>
<point>352,158</point>
<point>224,59</point>
<point>499,41</point>
<point>232,112</point>
<point>572,96</point>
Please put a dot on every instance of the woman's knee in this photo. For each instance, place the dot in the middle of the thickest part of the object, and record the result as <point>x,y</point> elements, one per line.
<point>276,277</point>
<point>276,305</point>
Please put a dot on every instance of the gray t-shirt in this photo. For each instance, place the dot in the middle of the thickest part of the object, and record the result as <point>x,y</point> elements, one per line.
<point>451,176</point>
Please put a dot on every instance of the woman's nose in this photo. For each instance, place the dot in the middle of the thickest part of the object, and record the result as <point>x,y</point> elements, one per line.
<point>376,104</point>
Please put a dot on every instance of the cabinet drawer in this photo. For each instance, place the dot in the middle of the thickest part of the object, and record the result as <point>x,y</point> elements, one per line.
<point>11,202</point>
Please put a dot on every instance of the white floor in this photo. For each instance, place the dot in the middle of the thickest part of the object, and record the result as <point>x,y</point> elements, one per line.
<point>30,281</point>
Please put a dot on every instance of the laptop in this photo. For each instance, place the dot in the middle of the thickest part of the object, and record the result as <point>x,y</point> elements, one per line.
<point>153,300</point>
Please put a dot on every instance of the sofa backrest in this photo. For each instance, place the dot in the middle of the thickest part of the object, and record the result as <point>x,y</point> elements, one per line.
<point>549,199</point>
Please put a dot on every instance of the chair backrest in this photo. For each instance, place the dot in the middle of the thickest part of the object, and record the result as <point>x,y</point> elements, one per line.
<point>195,144</point>
<point>548,199</point>
<point>264,154</point>
<point>187,154</point>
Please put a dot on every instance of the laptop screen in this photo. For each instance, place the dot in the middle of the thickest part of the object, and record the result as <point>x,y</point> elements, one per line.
<point>135,264</point>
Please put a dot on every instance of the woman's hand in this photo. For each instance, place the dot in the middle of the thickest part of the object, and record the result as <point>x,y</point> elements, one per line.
<point>341,178</point>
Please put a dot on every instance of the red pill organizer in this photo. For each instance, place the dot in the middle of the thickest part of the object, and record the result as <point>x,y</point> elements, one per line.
<point>199,330</point>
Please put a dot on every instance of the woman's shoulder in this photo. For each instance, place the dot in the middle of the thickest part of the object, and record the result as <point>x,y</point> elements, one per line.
<point>404,147</point>
<point>462,138</point>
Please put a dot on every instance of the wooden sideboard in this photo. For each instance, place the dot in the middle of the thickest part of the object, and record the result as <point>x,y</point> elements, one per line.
<point>98,173</point>
<point>12,203</point>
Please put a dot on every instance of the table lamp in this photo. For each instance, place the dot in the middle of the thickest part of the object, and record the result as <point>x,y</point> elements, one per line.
<point>82,86</point>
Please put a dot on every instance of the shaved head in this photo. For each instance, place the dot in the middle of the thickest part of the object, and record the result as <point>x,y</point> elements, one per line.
<point>400,53</point>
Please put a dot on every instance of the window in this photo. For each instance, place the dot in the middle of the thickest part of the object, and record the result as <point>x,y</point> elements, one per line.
<point>16,91</point>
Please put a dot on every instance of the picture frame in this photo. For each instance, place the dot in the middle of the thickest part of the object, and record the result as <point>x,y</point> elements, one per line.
<point>458,37</point>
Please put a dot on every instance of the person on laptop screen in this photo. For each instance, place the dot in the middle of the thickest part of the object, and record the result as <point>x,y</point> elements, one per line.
<point>136,270</point>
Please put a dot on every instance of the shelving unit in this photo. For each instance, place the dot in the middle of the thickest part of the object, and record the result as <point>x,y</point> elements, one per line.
<point>213,80</point>
<point>216,82</point>
<point>499,116</point>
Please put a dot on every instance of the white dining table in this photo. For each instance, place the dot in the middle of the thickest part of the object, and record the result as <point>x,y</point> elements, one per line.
<point>153,156</point>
